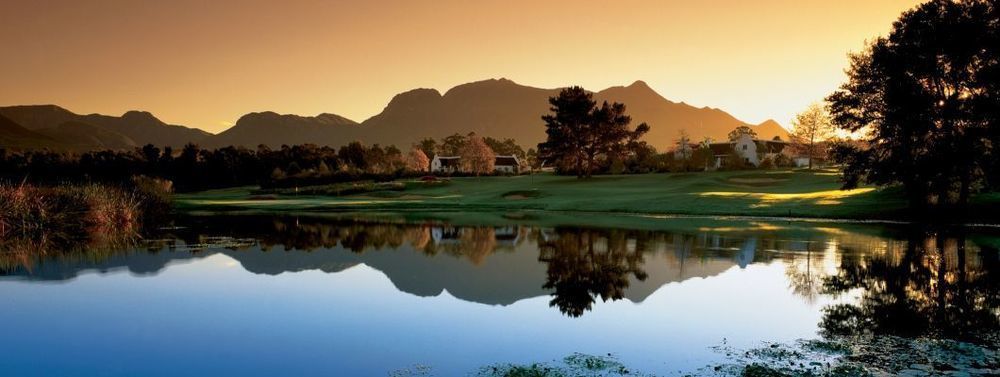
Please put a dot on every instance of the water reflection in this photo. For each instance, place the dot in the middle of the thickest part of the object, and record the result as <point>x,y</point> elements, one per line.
<point>896,280</point>
<point>582,264</point>
<point>935,284</point>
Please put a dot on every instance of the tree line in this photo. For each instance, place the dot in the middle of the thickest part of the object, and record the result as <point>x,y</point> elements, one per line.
<point>193,168</point>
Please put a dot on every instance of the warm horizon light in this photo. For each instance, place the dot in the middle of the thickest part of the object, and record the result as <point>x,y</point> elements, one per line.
<point>204,64</point>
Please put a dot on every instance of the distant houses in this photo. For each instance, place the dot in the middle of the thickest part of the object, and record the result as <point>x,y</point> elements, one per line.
<point>446,164</point>
<point>746,149</point>
<point>453,164</point>
<point>752,151</point>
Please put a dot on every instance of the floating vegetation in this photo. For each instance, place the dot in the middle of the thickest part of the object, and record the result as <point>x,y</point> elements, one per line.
<point>862,356</point>
<point>576,365</point>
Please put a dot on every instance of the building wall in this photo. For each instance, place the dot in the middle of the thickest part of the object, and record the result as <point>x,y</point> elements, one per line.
<point>505,169</point>
<point>438,167</point>
<point>747,148</point>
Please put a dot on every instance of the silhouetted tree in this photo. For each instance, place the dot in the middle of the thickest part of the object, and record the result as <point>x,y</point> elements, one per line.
<point>736,133</point>
<point>429,146</point>
<point>925,98</point>
<point>451,145</point>
<point>505,147</point>
<point>578,132</point>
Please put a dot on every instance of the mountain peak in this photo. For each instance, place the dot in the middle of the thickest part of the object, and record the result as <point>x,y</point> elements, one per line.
<point>139,116</point>
<point>639,84</point>
<point>415,97</point>
<point>772,126</point>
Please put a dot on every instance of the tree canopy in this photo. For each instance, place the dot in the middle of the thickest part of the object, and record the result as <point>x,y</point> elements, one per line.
<point>926,100</point>
<point>579,132</point>
<point>736,133</point>
<point>810,128</point>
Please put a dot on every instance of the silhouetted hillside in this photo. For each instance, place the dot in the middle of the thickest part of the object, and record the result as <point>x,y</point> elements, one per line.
<point>85,137</point>
<point>138,126</point>
<point>14,136</point>
<point>502,108</point>
<point>668,118</point>
<point>275,129</point>
<point>499,108</point>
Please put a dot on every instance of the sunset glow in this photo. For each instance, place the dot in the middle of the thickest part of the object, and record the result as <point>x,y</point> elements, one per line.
<point>204,64</point>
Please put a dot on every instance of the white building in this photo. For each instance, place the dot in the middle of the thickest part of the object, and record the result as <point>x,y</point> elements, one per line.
<point>453,164</point>
<point>507,164</point>
<point>751,150</point>
<point>446,164</point>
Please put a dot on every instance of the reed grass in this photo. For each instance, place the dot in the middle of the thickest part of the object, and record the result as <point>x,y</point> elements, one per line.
<point>39,220</point>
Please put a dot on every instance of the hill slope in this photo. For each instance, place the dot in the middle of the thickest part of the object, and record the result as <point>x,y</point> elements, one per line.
<point>502,108</point>
<point>273,129</point>
<point>499,108</point>
<point>14,136</point>
<point>141,127</point>
<point>87,137</point>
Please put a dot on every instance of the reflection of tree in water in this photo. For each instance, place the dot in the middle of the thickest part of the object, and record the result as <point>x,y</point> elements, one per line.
<point>473,243</point>
<point>584,264</point>
<point>357,237</point>
<point>804,270</point>
<point>934,285</point>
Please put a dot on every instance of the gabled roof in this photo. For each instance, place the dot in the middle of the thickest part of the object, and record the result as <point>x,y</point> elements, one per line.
<point>763,146</point>
<point>720,148</point>
<point>447,161</point>
<point>506,161</point>
<point>770,146</point>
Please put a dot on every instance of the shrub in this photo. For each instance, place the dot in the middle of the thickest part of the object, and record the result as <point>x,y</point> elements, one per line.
<point>767,163</point>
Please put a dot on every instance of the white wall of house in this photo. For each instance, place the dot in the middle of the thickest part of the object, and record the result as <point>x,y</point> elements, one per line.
<point>437,166</point>
<point>746,147</point>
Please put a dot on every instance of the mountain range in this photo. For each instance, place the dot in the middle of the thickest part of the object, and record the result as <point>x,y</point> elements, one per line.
<point>499,108</point>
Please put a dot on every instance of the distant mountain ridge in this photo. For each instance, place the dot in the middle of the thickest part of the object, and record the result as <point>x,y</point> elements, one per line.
<point>96,131</point>
<point>498,108</point>
<point>13,135</point>
<point>273,129</point>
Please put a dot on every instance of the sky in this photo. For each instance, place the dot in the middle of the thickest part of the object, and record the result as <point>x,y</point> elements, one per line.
<point>206,63</point>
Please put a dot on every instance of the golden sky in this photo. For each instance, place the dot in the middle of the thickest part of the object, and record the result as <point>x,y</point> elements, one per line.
<point>205,63</point>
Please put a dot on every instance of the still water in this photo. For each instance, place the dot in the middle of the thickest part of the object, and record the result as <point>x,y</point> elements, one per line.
<point>271,296</point>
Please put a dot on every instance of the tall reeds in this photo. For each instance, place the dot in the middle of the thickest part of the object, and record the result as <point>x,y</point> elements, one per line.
<point>37,220</point>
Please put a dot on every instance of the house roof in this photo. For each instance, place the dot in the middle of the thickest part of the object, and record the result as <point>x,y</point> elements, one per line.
<point>770,146</point>
<point>506,161</point>
<point>720,148</point>
<point>763,146</point>
<point>447,161</point>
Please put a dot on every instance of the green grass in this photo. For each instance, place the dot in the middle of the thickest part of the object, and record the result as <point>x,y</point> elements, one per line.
<point>795,193</point>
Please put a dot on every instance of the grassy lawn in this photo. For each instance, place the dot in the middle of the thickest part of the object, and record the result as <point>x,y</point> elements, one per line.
<point>797,193</point>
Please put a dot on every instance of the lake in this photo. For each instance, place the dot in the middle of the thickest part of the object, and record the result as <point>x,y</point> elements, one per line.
<point>285,295</point>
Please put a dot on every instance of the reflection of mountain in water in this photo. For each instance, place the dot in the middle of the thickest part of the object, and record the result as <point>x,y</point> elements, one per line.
<point>491,265</point>
<point>500,265</point>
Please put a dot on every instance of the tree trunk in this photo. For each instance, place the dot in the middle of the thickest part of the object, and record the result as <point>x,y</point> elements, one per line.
<point>812,150</point>
<point>590,165</point>
<point>579,167</point>
<point>963,194</point>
